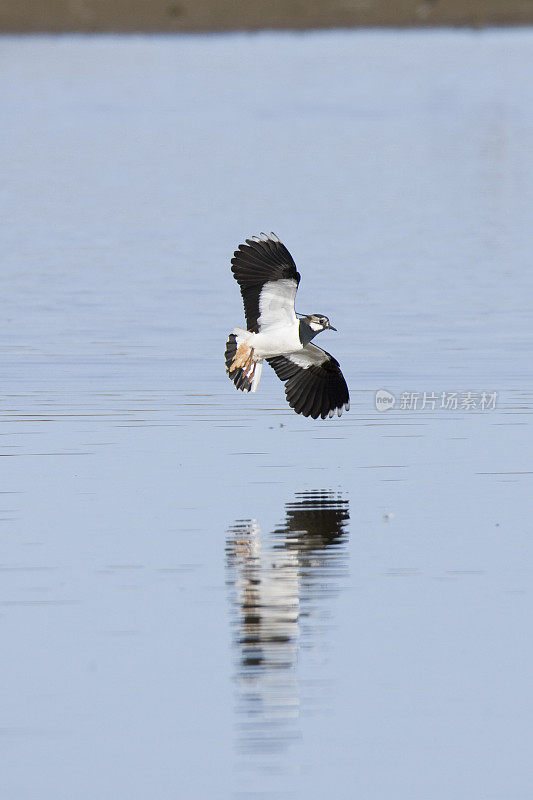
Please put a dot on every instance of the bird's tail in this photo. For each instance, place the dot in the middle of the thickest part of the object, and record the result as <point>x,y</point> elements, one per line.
<point>242,367</point>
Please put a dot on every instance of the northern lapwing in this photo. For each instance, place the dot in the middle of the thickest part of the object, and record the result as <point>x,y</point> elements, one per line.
<point>268,279</point>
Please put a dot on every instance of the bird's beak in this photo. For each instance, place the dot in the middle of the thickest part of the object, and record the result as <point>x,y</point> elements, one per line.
<point>332,328</point>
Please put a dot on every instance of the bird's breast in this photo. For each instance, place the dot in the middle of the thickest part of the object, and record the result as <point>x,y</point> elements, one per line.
<point>276,341</point>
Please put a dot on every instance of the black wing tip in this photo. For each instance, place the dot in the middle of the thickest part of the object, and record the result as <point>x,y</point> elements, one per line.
<point>310,407</point>
<point>266,244</point>
<point>339,409</point>
<point>253,241</point>
<point>264,238</point>
<point>325,413</point>
<point>269,245</point>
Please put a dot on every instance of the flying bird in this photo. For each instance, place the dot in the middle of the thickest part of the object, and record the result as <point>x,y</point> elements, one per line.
<point>268,280</point>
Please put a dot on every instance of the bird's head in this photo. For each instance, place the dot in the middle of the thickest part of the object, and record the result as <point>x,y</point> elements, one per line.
<point>317,323</point>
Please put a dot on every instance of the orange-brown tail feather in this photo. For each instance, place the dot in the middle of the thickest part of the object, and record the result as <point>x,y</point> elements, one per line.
<point>241,366</point>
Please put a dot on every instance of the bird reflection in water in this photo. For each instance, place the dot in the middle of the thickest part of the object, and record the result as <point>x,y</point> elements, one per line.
<point>279,586</point>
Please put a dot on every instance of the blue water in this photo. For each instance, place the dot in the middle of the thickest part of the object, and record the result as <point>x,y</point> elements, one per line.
<point>201,593</point>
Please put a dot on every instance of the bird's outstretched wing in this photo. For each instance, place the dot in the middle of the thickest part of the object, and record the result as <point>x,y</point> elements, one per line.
<point>315,385</point>
<point>267,276</point>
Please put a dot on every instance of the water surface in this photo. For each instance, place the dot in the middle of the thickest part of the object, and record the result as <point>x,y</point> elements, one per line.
<point>201,593</point>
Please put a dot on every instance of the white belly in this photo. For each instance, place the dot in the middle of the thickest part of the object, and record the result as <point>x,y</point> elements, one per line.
<point>276,341</point>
